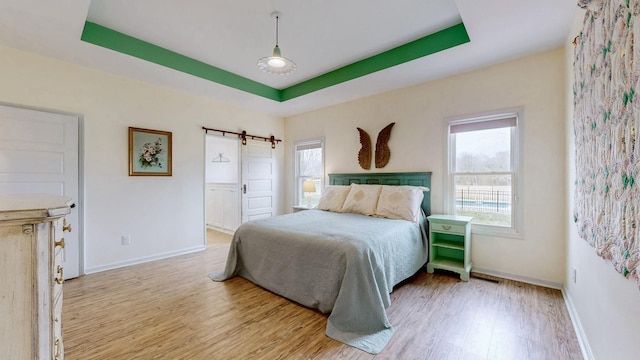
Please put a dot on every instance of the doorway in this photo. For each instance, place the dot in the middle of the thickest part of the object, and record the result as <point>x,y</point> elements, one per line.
<point>222,193</point>
<point>239,182</point>
<point>39,153</point>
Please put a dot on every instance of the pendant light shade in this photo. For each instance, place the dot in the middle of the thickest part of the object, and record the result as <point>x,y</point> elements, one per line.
<point>276,64</point>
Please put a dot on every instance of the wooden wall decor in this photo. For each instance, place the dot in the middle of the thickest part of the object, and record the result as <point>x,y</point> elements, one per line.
<point>364,155</point>
<point>383,153</point>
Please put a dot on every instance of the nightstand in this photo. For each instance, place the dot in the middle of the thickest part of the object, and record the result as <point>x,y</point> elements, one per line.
<point>297,208</point>
<point>450,244</point>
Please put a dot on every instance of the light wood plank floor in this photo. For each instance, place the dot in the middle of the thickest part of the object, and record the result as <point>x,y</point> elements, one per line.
<point>169,309</point>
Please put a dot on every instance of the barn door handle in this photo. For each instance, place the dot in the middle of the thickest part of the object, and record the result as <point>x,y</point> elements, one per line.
<point>244,188</point>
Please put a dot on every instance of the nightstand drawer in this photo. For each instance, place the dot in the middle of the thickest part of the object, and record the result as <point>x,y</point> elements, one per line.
<point>448,228</point>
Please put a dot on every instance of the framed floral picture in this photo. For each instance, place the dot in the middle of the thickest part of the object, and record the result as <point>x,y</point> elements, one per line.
<point>149,152</point>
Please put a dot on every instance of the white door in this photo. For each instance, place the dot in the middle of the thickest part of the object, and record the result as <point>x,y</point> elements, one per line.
<point>39,154</point>
<point>258,180</point>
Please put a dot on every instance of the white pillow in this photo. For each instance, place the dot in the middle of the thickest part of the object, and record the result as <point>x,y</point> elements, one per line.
<point>362,199</point>
<point>400,202</point>
<point>333,197</point>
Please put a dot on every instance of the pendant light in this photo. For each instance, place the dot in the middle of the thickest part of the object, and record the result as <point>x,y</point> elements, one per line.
<point>276,64</point>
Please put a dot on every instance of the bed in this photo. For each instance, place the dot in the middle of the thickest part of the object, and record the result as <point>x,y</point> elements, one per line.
<point>343,264</point>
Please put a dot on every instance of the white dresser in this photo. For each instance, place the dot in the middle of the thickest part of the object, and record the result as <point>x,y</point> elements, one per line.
<point>31,246</point>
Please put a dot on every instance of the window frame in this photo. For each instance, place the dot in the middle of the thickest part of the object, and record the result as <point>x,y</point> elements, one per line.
<point>516,161</point>
<point>298,196</point>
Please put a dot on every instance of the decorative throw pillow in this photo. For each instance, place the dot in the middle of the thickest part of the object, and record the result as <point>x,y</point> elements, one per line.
<point>362,199</point>
<point>333,197</point>
<point>400,202</point>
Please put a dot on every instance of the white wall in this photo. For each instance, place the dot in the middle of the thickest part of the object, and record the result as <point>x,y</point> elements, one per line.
<point>606,305</point>
<point>418,144</point>
<point>225,171</point>
<point>163,215</point>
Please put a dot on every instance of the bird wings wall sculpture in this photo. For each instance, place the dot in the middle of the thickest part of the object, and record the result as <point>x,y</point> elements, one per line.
<point>364,155</point>
<point>383,153</point>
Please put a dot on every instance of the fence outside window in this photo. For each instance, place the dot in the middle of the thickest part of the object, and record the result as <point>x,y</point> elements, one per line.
<point>483,199</point>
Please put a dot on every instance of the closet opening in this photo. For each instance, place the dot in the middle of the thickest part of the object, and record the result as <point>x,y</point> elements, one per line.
<point>222,187</point>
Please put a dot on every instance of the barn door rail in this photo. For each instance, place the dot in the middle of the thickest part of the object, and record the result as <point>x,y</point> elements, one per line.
<point>244,136</point>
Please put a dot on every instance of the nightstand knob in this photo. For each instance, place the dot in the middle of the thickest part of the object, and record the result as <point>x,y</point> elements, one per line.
<point>446,227</point>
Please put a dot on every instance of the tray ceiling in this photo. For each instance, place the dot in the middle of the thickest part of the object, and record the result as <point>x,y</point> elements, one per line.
<point>343,50</point>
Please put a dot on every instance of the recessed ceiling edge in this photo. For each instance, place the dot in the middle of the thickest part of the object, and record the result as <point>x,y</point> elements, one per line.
<point>108,38</point>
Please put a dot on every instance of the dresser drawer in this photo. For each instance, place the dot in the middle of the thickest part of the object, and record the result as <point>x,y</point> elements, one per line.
<point>56,321</point>
<point>57,270</point>
<point>57,273</point>
<point>448,228</point>
<point>57,280</point>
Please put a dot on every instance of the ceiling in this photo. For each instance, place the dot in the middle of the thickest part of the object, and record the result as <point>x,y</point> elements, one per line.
<point>323,37</point>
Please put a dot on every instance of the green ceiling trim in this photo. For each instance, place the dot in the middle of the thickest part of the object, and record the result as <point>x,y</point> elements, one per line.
<point>430,44</point>
<point>114,40</point>
<point>427,45</point>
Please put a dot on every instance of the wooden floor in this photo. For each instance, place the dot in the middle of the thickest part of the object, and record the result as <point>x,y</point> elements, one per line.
<point>170,309</point>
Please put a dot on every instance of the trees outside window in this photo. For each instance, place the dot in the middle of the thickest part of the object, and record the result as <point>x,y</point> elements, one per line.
<point>484,171</point>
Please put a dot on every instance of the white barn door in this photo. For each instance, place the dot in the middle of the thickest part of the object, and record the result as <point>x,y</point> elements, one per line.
<point>39,154</point>
<point>258,180</point>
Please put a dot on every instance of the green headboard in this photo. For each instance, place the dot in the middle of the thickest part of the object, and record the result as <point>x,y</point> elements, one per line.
<point>407,178</point>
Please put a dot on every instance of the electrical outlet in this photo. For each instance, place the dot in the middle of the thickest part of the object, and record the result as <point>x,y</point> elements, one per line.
<point>126,239</point>
<point>574,275</point>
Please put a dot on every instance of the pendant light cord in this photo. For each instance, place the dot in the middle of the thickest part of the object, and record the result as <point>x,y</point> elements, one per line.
<point>277,21</point>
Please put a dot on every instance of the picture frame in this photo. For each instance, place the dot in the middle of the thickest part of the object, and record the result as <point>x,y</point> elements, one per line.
<point>149,152</point>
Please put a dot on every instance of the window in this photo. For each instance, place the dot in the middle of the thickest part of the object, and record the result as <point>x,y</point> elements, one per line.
<point>484,172</point>
<point>309,172</point>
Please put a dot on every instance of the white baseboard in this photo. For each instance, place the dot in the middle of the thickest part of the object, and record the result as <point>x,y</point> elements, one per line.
<point>577,325</point>
<point>143,259</point>
<point>524,279</point>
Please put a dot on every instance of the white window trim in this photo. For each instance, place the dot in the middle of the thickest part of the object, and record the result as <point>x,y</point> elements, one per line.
<point>516,230</point>
<point>296,188</point>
